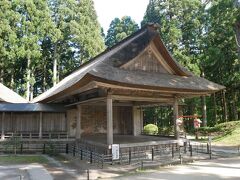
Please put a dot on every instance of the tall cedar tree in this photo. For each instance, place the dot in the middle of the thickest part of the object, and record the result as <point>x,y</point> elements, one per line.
<point>120,29</point>
<point>32,27</point>
<point>80,37</point>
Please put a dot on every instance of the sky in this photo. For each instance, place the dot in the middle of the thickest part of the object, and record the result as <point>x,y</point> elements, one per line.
<point>107,10</point>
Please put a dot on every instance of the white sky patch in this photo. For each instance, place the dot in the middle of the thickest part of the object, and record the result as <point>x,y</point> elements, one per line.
<point>107,10</point>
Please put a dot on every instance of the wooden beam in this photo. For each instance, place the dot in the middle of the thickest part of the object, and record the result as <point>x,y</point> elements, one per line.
<point>143,99</point>
<point>87,101</point>
<point>109,120</point>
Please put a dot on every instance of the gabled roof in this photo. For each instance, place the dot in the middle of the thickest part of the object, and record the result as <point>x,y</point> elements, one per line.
<point>107,66</point>
<point>7,95</point>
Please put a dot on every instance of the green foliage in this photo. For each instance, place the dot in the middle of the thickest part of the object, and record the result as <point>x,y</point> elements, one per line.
<point>150,129</point>
<point>120,29</point>
<point>166,131</point>
<point>220,129</point>
<point>180,28</point>
<point>51,149</point>
<point>33,34</point>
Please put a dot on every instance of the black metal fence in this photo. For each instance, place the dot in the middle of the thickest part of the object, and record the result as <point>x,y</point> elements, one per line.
<point>129,155</point>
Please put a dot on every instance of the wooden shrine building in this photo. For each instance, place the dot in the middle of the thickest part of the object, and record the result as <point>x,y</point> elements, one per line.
<point>103,98</point>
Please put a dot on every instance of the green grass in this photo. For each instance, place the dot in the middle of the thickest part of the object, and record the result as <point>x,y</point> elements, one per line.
<point>230,134</point>
<point>11,159</point>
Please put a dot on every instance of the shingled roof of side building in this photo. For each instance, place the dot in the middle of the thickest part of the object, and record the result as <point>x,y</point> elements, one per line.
<point>108,65</point>
<point>9,96</point>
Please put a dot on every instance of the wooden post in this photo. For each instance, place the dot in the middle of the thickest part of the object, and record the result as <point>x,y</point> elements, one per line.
<point>204,110</point>
<point>175,117</point>
<point>40,125</point>
<point>136,121</point>
<point>2,134</point>
<point>78,128</point>
<point>109,120</point>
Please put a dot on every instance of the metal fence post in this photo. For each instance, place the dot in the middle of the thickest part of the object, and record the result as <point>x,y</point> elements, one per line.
<point>180,157</point>
<point>67,148</point>
<point>102,160</point>
<point>172,151</point>
<point>44,146</point>
<point>129,156</point>
<point>81,154</point>
<point>74,149</point>
<point>152,154</point>
<point>190,146</point>
<point>88,175</point>
<point>91,157</point>
<point>185,147</point>
<point>21,148</point>
<point>208,148</point>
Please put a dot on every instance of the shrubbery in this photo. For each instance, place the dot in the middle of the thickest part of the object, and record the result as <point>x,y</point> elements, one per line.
<point>166,131</point>
<point>150,129</point>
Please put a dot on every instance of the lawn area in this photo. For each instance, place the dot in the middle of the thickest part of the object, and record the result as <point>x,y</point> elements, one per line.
<point>226,134</point>
<point>230,139</point>
<point>19,159</point>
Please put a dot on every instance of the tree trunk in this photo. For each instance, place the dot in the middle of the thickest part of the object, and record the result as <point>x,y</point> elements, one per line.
<point>28,80</point>
<point>235,112</point>
<point>238,37</point>
<point>55,64</point>
<point>1,75</point>
<point>44,83</point>
<point>12,81</point>
<point>237,30</point>
<point>31,89</point>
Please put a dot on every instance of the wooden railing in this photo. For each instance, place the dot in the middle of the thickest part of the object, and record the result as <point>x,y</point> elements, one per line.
<point>35,135</point>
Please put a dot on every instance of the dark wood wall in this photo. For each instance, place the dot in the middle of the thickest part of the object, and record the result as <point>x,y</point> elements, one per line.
<point>29,122</point>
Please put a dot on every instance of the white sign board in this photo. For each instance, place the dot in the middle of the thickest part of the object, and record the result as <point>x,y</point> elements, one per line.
<point>210,139</point>
<point>115,151</point>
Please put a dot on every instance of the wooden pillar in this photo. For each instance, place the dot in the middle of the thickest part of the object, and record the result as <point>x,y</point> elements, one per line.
<point>175,117</point>
<point>2,133</point>
<point>40,125</point>
<point>109,120</point>
<point>141,120</point>
<point>78,128</point>
<point>136,121</point>
<point>204,110</point>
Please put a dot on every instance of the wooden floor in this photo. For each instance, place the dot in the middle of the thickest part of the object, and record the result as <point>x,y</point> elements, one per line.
<point>127,140</point>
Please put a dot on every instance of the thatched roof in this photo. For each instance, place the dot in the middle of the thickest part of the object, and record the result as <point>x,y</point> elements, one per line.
<point>7,95</point>
<point>107,66</point>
